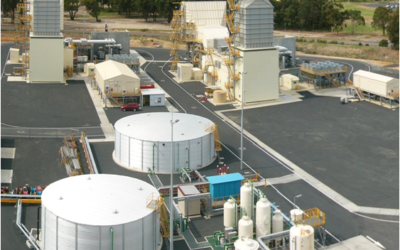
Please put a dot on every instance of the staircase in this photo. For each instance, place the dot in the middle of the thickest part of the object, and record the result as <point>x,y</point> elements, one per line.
<point>359,92</point>
<point>156,201</point>
<point>332,80</point>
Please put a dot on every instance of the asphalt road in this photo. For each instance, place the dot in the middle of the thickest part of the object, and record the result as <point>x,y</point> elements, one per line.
<point>257,158</point>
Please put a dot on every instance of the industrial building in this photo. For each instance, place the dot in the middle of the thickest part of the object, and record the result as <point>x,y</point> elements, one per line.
<point>231,47</point>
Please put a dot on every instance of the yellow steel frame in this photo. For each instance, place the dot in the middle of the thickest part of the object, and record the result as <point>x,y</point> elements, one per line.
<point>212,128</point>
<point>313,217</point>
<point>156,201</point>
<point>175,37</point>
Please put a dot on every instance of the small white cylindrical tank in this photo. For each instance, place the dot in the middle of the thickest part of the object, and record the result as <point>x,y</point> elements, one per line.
<point>229,213</point>
<point>245,198</point>
<point>263,217</point>
<point>91,211</point>
<point>245,227</point>
<point>143,142</point>
<point>296,214</point>
<point>277,221</point>
<point>302,237</point>
<point>246,244</point>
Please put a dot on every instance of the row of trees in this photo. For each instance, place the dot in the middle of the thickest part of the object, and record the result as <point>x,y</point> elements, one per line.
<point>314,15</point>
<point>147,8</point>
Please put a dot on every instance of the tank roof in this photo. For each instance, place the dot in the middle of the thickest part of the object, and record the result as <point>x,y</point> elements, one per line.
<point>98,200</point>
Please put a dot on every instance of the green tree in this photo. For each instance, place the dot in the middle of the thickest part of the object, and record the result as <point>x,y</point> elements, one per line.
<point>356,19</point>
<point>147,7</point>
<point>311,13</point>
<point>71,6</point>
<point>393,29</point>
<point>124,6</point>
<point>93,8</point>
<point>381,18</point>
<point>335,16</point>
<point>8,6</point>
<point>165,8</point>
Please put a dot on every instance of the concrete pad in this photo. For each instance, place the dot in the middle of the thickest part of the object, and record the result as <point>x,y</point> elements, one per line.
<point>6,176</point>
<point>7,153</point>
<point>16,79</point>
<point>355,243</point>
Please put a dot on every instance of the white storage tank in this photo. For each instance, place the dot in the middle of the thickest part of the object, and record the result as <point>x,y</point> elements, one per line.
<point>90,211</point>
<point>302,237</point>
<point>245,197</point>
<point>277,222</point>
<point>143,142</point>
<point>296,214</point>
<point>263,217</point>
<point>245,228</point>
<point>246,244</point>
<point>229,213</point>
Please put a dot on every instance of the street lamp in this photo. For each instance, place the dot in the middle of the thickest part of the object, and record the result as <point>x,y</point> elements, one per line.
<point>241,135</point>
<point>297,196</point>
<point>171,189</point>
<point>84,12</point>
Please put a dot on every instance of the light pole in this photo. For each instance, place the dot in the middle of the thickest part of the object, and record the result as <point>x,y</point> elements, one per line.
<point>171,189</point>
<point>241,122</point>
<point>84,12</point>
<point>297,196</point>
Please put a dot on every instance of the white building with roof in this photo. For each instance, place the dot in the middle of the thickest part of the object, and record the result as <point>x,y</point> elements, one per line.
<point>117,78</point>
<point>251,51</point>
<point>153,97</point>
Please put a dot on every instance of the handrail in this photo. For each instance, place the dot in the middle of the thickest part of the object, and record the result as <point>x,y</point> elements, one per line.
<point>23,228</point>
<point>89,155</point>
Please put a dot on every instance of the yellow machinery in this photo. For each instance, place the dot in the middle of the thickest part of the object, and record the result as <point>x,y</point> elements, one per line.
<point>156,201</point>
<point>175,37</point>
<point>21,35</point>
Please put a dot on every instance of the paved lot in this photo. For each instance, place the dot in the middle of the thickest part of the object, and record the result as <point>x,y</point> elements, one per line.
<point>352,148</point>
<point>114,114</point>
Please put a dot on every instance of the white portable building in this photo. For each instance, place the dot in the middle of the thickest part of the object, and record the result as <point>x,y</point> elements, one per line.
<point>154,97</point>
<point>289,81</point>
<point>184,71</point>
<point>117,77</point>
<point>14,55</point>
<point>377,84</point>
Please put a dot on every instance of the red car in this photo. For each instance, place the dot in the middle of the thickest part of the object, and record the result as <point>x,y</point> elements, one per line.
<point>130,106</point>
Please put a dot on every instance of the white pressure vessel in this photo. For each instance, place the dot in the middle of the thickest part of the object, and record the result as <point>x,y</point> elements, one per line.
<point>245,227</point>
<point>302,237</point>
<point>263,217</point>
<point>296,215</point>
<point>245,198</point>
<point>246,244</point>
<point>229,213</point>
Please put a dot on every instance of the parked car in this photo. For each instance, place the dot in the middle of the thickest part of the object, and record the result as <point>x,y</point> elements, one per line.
<point>132,106</point>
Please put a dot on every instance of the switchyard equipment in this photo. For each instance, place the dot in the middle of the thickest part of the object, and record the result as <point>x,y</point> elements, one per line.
<point>143,142</point>
<point>324,74</point>
<point>106,215</point>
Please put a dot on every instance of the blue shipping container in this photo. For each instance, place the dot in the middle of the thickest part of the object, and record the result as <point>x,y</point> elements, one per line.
<point>222,186</point>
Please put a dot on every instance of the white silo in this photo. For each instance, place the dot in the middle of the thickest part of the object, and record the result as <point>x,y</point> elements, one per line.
<point>296,214</point>
<point>277,222</point>
<point>246,244</point>
<point>302,237</point>
<point>263,217</point>
<point>245,198</point>
<point>245,228</point>
<point>143,142</point>
<point>230,213</point>
<point>90,212</point>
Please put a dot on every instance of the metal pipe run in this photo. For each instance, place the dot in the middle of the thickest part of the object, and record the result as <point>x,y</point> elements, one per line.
<point>23,229</point>
<point>85,41</point>
<point>273,236</point>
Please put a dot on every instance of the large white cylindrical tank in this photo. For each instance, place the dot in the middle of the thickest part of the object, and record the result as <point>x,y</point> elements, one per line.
<point>277,221</point>
<point>245,227</point>
<point>302,237</point>
<point>263,217</point>
<point>229,213</point>
<point>245,197</point>
<point>143,142</point>
<point>246,244</point>
<point>89,212</point>
<point>296,214</point>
